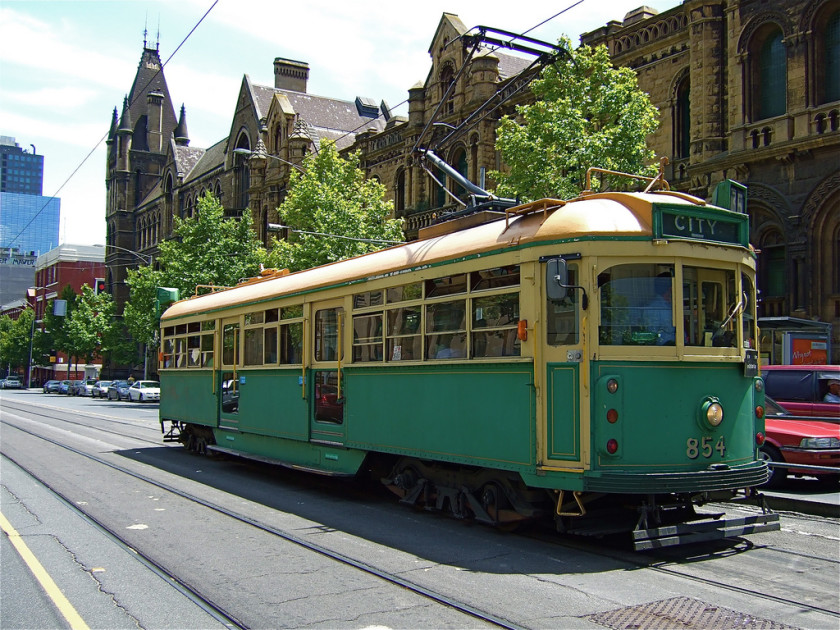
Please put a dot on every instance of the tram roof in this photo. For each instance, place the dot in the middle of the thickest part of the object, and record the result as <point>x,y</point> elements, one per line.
<point>597,215</point>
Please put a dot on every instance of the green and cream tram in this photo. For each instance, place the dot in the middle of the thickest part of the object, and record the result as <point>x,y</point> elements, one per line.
<point>592,360</point>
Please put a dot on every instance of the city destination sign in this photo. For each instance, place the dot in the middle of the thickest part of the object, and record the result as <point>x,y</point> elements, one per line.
<point>720,226</point>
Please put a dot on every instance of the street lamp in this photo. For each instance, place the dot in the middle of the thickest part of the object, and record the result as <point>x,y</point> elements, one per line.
<point>144,257</point>
<point>268,155</point>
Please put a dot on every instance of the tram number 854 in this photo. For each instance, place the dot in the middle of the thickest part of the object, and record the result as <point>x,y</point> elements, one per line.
<point>703,446</point>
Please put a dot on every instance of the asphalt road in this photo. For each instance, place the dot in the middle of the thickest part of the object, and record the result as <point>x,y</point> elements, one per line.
<point>120,477</point>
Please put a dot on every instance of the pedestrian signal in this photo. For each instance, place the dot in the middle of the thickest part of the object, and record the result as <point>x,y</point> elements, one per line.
<point>99,286</point>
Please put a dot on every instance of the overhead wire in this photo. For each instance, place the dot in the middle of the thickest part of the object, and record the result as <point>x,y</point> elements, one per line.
<point>99,142</point>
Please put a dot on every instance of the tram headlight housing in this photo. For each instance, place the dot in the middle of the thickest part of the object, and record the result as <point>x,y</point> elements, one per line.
<point>711,412</point>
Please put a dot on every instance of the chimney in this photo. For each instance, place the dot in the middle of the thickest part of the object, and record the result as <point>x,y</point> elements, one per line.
<point>290,75</point>
<point>155,121</point>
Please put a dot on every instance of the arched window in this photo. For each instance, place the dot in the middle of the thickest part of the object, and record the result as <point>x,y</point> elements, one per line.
<point>831,43</point>
<point>447,78</point>
<point>459,162</point>
<point>242,173</point>
<point>771,97</point>
<point>399,194</point>
<point>682,120</point>
<point>771,265</point>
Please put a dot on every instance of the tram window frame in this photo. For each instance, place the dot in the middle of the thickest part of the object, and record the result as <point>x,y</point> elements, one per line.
<point>638,318</point>
<point>327,334</point>
<point>290,335</point>
<point>189,345</point>
<point>724,298</point>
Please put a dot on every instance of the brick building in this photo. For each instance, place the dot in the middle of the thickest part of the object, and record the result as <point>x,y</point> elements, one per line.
<point>66,265</point>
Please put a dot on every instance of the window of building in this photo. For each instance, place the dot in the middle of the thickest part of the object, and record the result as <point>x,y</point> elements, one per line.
<point>682,126</point>
<point>772,76</point>
<point>831,39</point>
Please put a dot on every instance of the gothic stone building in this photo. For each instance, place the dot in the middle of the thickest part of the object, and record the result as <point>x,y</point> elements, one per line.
<point>747,90</point>
<point>750,90</point>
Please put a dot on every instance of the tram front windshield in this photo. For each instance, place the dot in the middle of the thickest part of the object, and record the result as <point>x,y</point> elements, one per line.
<point>642,305</point>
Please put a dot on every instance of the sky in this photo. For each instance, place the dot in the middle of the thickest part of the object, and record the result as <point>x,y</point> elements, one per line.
<point>65,65</point>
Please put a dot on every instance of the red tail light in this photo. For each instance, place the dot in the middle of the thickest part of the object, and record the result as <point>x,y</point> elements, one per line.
<point>612,416</point>
<point>759,412</point>
<point>759,438</point>
<point>612,446</point>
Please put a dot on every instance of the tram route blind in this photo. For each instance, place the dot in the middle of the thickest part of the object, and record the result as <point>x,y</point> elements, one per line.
<point>720,226</point>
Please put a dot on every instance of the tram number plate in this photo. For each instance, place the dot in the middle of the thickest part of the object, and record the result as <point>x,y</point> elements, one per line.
<point>705,446</point>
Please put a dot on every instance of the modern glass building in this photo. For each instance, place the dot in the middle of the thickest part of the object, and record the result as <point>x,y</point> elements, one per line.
<point>20,170</point>
<point>29,223</point>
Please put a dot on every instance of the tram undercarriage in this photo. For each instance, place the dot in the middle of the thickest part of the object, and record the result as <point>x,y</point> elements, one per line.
<point>502,500</point>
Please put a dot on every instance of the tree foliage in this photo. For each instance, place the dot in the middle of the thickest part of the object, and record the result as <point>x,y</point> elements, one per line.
<point>89,325</point>
<point>208,249</point>
<point>587,113</point>
<point>14,340</point>
<point>332,197</point>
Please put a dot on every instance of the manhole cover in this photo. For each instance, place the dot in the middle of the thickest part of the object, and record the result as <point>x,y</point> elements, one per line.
<point>682,612</point>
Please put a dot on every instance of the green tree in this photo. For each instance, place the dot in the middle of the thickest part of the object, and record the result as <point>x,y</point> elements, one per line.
<point>56,331</point>
<point>336,213</point>
<point>88,326</point>
<point>14,340</point>
<point>587,113</point>
<point>208,249</point>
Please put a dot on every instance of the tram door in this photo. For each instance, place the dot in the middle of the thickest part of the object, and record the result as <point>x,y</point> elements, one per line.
<point>562,356</point>
<point>326,419</point>
<point>229,385</point>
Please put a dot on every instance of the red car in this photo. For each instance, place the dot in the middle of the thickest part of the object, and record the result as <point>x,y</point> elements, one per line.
<point>801,389</point>
<point>793,439</point>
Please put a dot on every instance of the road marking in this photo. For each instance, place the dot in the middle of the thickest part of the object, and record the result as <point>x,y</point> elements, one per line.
<point>37,569</point>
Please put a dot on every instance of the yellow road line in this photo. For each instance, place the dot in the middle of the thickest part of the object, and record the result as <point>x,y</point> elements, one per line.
<point>58,598</point>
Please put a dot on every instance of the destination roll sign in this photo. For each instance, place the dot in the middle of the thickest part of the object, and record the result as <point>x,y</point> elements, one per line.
<point>702,224</point>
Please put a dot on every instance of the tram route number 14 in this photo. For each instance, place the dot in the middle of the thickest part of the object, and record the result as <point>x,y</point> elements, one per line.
<point>703,446</point>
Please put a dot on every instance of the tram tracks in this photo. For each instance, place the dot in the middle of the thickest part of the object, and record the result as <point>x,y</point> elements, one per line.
<point>386,576</point>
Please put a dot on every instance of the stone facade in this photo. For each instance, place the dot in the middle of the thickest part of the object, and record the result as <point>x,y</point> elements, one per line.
<point>730,109</point>
<point>704,64</point>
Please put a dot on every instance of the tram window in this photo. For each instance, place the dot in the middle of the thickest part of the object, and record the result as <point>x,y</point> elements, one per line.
<point>327,334</point>
<point>404,338</point>
<point>636,305</point>
<point>271,315</point>
<point>448,285</point>
<point>291,343</point>
<point>328,406</point>
<point>291,312</point>
<point>711,307</point>
<point>208,325</point>
<point>367,337</point>
<point>450,346</point>
<point>181,329</point>
<point>194,327</point>
<point>253,346</point>
<point>270,346</point>
<point>168,351</point>
<point>169,331</point>
<point>230,393</point>
<point>405,292</point>
<point>207,351</point>
<point>254,318</point>
<point>494,278</point>
<point>562,325</point>
<point>229,341</point>
<point>194,351</point>
<point>368,298</point>
<point>748,312</point>
<point>494,320</point>
<point>181,352</point>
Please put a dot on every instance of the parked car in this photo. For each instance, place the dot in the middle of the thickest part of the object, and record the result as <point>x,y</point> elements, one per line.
<point>100,389</point>
<point>118,390</point>
<point>11,382</point>
<point>64,387</point>
<point>84,388</point>
<point>791,439</point>
<point>51,387</point>
<point>141,391</point>
<point>801,389</point>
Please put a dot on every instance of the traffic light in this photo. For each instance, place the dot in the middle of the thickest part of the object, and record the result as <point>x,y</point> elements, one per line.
<point>99,286</point>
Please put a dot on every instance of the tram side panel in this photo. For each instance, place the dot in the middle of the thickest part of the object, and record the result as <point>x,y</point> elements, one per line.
<point>271,404</point>
<point>479,415</point>
<point>187,396</point>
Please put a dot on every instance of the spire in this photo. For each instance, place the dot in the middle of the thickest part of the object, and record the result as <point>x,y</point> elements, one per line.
<point>114,125</point>
<point>181,135</point>
<point>125,119</point>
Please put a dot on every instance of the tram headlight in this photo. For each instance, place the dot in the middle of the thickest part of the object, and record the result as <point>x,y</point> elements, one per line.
<point>711,411</point>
